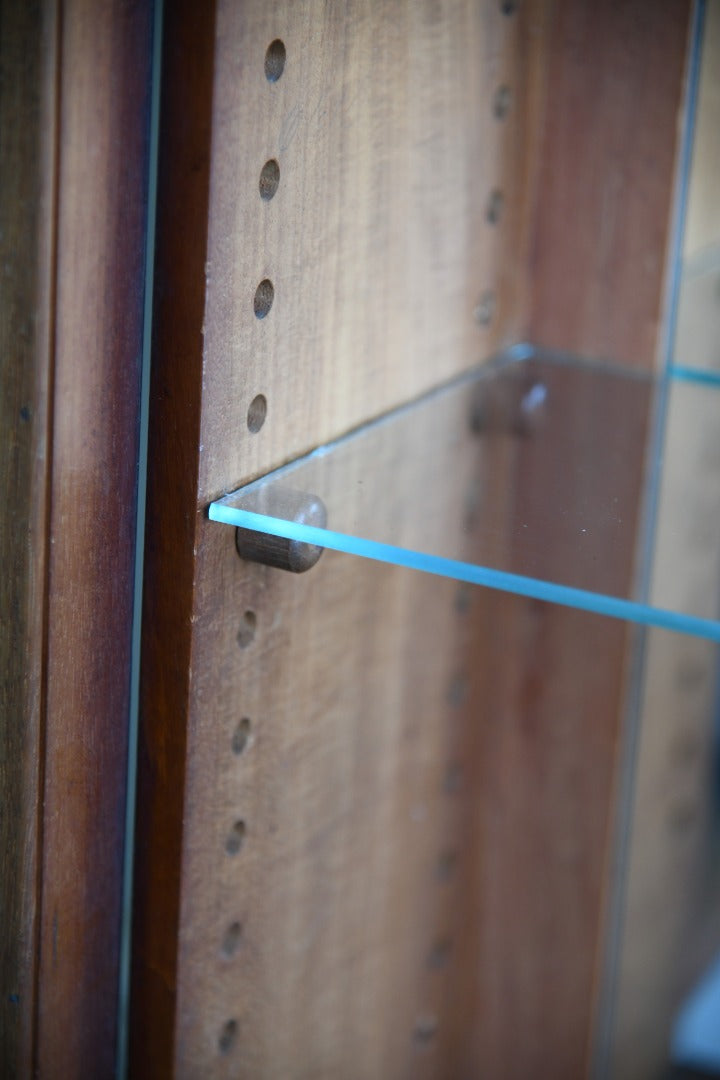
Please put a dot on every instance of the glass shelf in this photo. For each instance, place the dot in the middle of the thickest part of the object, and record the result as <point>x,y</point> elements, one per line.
<point>543,475</point>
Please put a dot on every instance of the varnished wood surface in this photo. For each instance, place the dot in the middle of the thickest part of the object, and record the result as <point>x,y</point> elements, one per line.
<point>386,125</point>
<point>340,189</point>
<point>103,102</point>
<point>605,177</point>
<point>671,924</point>
<point>289,908</point>
<point>377,242</point>
<point>331,937</point>
<point>423,787</point>
<point>26,146</point>
<point>557,684</point>
<point>74,142</point>
<point>174,440</point>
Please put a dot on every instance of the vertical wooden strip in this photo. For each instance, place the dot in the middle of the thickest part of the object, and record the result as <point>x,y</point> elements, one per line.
<point>598,257</point>
<point>377,241</point>
<point>180,282</point>
<point>552,710</point>
<point>103,106</point>
<point>27,146</point>
<point>605,179</point>
<point>670,927</point>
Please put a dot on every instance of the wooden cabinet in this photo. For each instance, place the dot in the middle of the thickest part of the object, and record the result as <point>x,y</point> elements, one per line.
<point>377,813</point>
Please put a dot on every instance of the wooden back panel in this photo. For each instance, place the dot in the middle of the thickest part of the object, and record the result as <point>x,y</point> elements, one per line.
<point>336,770</point>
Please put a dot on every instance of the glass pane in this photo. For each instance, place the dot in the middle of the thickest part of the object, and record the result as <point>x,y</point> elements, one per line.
<point>664,909</point>
<point>698,315</point>
<point>538,474</point>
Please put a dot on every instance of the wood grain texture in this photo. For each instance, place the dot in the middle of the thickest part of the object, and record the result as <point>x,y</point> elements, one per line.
<point>27,75</point>
<point>337,197</point>
<point>170,543</point>
<point>336,769</point>
<point>605,177</point>
<point>413,838</point>
<point>671,915</point>
<point>557,684</point>
<point>74,103</point>
<point>104,55</point>
<point>377,241</point>
<point>325,937</point>
<point>602,179</point>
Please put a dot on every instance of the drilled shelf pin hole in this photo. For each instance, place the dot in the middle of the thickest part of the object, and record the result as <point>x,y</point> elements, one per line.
<point>485,308</point>
<point>228,1036</point>
<point>502,102</point>
<point>263,300</point>
<point>494,209</point>
<point>256,414</point>
<point>439,955</point>
<point>275,60</point>
<point>446,865</point>
<point>425,1030</point>
<point>269,179</point>
<point>235,838</point>
<point>463,598</point>
<point>231,939</point>
<point>453,778</point>
<point>457,692</point>
<point>246,633</point>
<point>241,737</point>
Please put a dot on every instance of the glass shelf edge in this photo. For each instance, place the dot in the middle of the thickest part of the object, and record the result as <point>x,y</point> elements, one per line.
<point>701,376</point>
<point>501,580</point>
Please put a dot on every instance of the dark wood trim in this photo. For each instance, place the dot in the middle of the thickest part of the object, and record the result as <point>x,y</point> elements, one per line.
<point>103,113</point>
<point>182,220</point>
<point>27,73</point>
<point>75,110</point>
